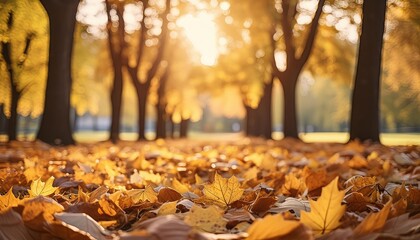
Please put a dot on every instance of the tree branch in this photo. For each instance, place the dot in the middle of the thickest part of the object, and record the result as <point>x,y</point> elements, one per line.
<point>162,41</point>
<point>311,35</point>
<point>143,35</point>
<point>287,28</point>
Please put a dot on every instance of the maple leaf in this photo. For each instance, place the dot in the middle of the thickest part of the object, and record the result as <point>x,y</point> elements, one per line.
<point>271,227</point>
<point>40,188</point>
<point>207,219</point>
<point>374,221</point>
<point>326,212</point>
<point>223,190</point>
<point>147,194</point>
<point>8,200</point>
<point>179,187</point>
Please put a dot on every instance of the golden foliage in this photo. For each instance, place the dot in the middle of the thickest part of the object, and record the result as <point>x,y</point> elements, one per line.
<point>223,191</point>
<point>327,211</point>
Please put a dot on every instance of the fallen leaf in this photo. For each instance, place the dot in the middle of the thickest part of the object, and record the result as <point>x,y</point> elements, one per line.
<point>271,227</point>
<point>223,190</point>
<point>39,211</point>
<point>262,205</point>
<point>326,212</point>
<point>8,200</point>
<point>207,219</point>
<point>12,226</point>
<point>374,221</point>
<point>179,187</point>
<point>147,194</point>
<point>167,208</point>
<point>297,205</point>
<point>163,227</point>
<point>40,188</point>
<point>84,223</point>
<point>168,195</point>
<point>292,185</point>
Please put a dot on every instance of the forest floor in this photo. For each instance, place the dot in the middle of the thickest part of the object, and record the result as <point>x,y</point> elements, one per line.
<point>193,189</point>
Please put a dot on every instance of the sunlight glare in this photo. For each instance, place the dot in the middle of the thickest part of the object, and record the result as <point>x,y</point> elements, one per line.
<point>201,30</point>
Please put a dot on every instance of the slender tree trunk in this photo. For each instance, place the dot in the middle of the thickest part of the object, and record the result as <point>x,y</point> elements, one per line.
<point>183,128</point>
<point>55,125</point>
<point>171,127</point>
<point>290,128</point>
<point>116,49</point>
<point>264,112</point>
<point>160,107</point>
<point>3,119</point>
<point>364,120</point>
<point>251,128</point>
<point>142,103</point>
<point>6,51</point>
<point>116,101</point>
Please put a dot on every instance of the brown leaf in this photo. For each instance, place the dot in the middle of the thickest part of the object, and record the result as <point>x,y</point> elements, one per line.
<point>356,202</point>
<point>168,195</point>
<point>39,211</point>
<point>374,221</point>
<point>262,205</point>
<point>12,226</point>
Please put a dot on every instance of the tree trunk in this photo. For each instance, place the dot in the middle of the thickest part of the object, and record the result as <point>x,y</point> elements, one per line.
<point>116,101</point>
<point>55,125</point>
<point>264,112</point>
<point>117,84</point>
<point>289,114</point>
<point>364,119</point>
<point>251,128</point>
<point>160,107</point>
<point>3,119</point>
<point>142,103</point>
<point>12,127</point>
<point>183,128</point>
<point>171,127</point>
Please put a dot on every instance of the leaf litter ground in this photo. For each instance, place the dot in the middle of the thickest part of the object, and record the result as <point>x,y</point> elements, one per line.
<point>184,189</point>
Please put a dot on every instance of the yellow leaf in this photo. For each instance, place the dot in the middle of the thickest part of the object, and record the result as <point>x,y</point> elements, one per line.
<point>223,190</point>
<point>151,177</point>
<point>147,194</point>
<point>40,188</point>
<point>106,207</point>
<point>167,208</point>
<point>293,185</point>
<point>374,221</point>
<point>326,211</point>
<point>207,219</point>
<point>8,200</point>
<point>198,179</point>
<point>270,227</point>
<point>179,187</point>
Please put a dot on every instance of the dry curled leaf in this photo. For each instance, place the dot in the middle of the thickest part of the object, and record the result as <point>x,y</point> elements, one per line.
<point>326,212</point>
<point>147,194</point>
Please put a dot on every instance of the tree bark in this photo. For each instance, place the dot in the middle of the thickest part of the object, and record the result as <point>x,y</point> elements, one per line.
<point>290,128</point>
<point>161,106</point>
<point>251,128</point>
<point>55,128</point>
<point>117,84</point>
<point>142,93</point>
<point>264,112</point>
<point>364,119</point>
<point>183,128</point>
